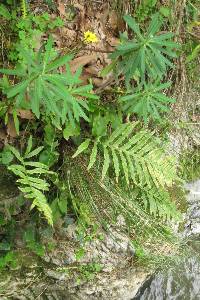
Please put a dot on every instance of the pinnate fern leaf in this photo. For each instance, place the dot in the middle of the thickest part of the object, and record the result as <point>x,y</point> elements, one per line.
<point>136,156</point>
<point>32,186</point>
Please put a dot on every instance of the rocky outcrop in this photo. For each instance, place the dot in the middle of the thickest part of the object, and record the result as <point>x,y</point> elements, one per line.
<point>192,216</point>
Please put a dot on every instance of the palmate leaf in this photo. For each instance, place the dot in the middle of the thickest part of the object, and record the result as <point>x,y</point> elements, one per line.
<point>56,95</point>
<point>147,101</point>
<point>31,186</point>
<point>148,53</point>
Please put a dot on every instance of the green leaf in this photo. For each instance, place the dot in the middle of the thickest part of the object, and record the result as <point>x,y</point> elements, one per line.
<point>58,62</point>
<point>134,26</point>
<point>15,152</point>
<point>82,147</point>
<point>93,155</point>
<point>116,164</point>
<point>6,156</point>
<point>35,164</point>
<point>16,121</point>
<point>106,162</point>
<point>62,204</point>
<point>108,69</point>
<point>5,12</point>
<point>165,11</point>
<point>17,72</point>
<point>29,145</point>
<point>70,131</point>
<point>34,152</point>
<point>37,97</point>
<point>17,88</point>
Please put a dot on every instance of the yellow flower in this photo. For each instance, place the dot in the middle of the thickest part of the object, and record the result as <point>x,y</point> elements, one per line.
<point>90,37</point>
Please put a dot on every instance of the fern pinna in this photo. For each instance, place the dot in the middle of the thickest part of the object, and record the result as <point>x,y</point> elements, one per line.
<point>29,182</point>
<point>23,8</point>
<point>139,159</point>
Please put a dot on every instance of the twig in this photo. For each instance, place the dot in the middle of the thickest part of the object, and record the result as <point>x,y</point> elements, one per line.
<point>42,292</point>
<point>98,50</point>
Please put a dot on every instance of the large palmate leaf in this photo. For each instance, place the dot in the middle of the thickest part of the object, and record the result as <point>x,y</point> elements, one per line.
<point>42,88</point>
<point>147,101</point>
<point>148,53</point>
<point>30,181</point>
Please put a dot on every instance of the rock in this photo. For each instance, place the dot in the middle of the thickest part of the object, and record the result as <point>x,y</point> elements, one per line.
<point>192,216</point>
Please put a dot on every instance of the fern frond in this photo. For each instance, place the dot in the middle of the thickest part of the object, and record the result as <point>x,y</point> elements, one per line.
<point>106,199</point>
<point>30,185</point>
<point>137,156</point>
<point>139,159</point>
<point>23,8</point>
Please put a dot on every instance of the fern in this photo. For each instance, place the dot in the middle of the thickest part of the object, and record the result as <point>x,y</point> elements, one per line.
<point>148,53</point>
<point>147,101</point>
<point>23,8</point>
<point>138,158</point>
<point>43,88</point>
<point>30,185</point>
<point>106,200</point>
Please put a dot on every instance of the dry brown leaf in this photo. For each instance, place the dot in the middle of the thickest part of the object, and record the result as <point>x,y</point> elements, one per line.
<point>92,70</point>
<point>81,61</point>
<point>2,135</point>
<point>25,114</point>
<point>61,8</point>
<point>11,131</point>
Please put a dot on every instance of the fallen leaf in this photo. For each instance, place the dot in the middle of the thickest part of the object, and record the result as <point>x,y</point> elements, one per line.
<point>25,114</point>
<point>11,131</point>
<point>61,8</point>
<point>2,134</point>
<point>81,61</point>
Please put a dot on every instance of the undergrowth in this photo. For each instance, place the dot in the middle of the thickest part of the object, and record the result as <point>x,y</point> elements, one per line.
<point>92,159</point>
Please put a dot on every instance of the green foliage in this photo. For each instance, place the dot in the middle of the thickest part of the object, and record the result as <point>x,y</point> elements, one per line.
<point>4,12</point>
<point>106,200</point>
<point>30,185</point>
<point>147,101</point>
<point>49,155</point>
<point>190,164</point>
<point>133,155</point>
<point>83,272</point>
<point>66,112</point>
<point>6,156</point>
<point>59,208</point>
<point>23,8</point>
<point>58,96</point>
<point>145,9</point>
<point>26,31</point>
<point>32,243</point>
<point>139,159</point>
<point>148,53</point>
<point>8,260</point>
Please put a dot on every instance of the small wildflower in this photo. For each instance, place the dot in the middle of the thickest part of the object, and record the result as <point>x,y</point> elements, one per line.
<point>90,37</point>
